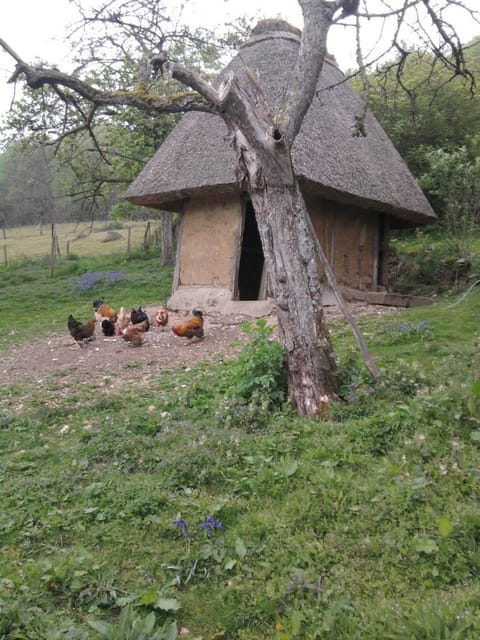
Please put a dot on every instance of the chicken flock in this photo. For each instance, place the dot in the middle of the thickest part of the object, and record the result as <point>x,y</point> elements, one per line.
<point>131,326</point>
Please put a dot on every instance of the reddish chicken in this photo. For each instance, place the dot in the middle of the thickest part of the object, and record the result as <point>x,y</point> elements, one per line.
<point>161,317</point>
<point>191,328</point>
<point>134,334</point>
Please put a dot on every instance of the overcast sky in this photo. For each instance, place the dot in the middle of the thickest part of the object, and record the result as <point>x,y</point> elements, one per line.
<point>37,29</point>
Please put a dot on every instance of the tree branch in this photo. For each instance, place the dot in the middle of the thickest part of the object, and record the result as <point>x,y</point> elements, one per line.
<point>197,83</point>
<point>318,16</point>
<point>37,77</point>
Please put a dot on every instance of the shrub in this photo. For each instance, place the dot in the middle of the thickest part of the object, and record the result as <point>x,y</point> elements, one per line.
<point>254,384</point>
<point>259,369</point>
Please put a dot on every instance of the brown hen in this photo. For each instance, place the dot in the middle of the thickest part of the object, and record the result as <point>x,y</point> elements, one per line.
<point>191,328</point>
<point>81,332</point>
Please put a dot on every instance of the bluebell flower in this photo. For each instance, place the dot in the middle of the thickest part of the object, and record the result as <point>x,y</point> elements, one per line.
<point>211,523</point>
<point>207,528</point>
<point>91,278</point>
<point>114,276</point>
<point>214,522</point>
<point>183,527</point>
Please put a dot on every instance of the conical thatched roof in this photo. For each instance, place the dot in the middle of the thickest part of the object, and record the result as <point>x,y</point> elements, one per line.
<point>196,158</point>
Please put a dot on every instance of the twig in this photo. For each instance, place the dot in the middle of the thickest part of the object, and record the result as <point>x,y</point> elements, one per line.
<point>464,295</point>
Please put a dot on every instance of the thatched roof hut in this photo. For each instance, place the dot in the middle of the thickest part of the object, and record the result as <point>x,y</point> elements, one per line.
<point>359,183</point>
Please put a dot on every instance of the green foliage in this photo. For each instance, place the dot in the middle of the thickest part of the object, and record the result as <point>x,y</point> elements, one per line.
<point>132,626</point>
<point>429,109</point>
<point>365,526</point>
<point>258,372</point>
<point>436,619</point>
<point>245,391</point>
<point>452,182</point>
<point>353,378</point>
<point>426,263</point>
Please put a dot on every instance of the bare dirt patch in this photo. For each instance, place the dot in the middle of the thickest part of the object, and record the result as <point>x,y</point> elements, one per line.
<point>59,354</point>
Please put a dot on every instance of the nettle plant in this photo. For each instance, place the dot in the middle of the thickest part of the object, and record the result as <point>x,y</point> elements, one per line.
<point>258,373</point>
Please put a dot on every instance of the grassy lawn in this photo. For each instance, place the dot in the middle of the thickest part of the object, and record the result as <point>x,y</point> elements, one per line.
<point>198,505</point>
<point>36,302</point>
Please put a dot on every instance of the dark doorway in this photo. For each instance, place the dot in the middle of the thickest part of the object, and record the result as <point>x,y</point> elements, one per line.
<point>250,270</point>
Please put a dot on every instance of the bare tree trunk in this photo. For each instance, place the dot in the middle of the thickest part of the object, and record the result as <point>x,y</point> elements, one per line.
<point>265,169</point>
<point>290,259</point>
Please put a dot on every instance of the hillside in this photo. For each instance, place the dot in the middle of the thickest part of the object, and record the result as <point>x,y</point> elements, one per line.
<point>158,498</point>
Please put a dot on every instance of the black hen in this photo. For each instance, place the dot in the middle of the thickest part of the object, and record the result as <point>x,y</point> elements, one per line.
<point>108,328</point>
<point>138,315</point>
<point>81,332</point>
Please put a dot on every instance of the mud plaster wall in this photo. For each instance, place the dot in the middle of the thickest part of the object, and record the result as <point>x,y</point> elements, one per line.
<point>210,233</point>
<point>349,238</point>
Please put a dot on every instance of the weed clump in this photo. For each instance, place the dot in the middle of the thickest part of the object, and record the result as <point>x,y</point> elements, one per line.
<point>254,384</point>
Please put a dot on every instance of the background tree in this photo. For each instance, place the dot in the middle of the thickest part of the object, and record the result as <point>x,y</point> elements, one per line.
<point>94,159</point>
<point>263,140</point>
<point>429,109</point>
<point>27,187</point>
<point>433,119</point>
<point>452,179</point>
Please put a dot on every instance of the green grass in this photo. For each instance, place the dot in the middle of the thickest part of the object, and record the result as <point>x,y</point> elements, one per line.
<point>362,527</point>
<point>34,300</point>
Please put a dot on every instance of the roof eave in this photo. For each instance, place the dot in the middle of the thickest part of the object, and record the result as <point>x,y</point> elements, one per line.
<point>408,217</point>
<point>175,200</point>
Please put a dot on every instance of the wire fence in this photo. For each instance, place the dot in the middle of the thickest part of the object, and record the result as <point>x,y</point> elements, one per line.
<point>58,241</point>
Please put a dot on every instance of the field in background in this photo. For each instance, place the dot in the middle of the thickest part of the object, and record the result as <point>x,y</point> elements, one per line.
<point>30,242</point>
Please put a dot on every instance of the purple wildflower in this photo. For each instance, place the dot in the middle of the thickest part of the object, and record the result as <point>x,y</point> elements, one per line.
<point>211,523</point>
<point>214,522</point>
<point>91,279</point>
<point>207,528</point>
<point>183,527</point>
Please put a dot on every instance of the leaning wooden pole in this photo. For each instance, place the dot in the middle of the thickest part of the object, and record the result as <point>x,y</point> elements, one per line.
<point>52,250</point>
<point>332,281</point>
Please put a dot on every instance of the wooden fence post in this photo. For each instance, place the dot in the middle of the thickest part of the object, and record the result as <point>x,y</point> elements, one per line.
<point>146,237</point>
<point>57,247</point>
<point>5,259</point>
<point>52,250</point>
<point>129,239</point>
<point>52,257</point>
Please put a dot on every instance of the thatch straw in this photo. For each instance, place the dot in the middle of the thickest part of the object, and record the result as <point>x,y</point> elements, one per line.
<point>196,157</point>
